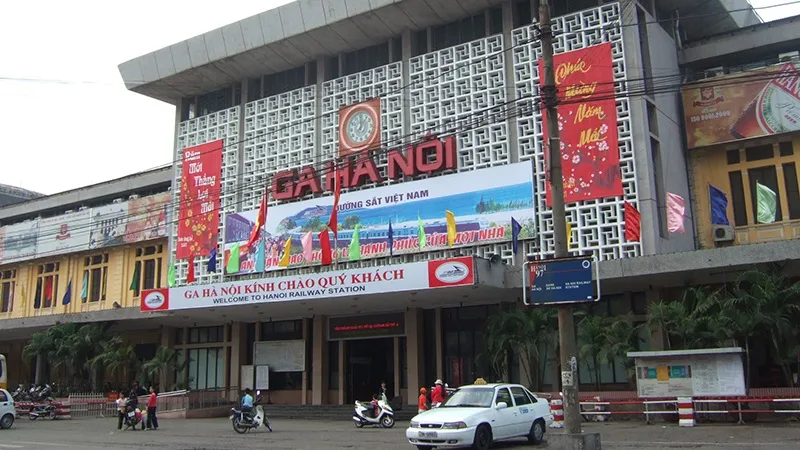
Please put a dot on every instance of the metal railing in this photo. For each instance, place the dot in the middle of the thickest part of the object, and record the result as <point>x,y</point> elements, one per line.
<point>96,405</point>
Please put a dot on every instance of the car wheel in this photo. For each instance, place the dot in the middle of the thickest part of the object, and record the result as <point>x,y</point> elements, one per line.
<point>483,438</point>
<point>7,421</point>
<point>536,436</point>
<point>424,447</point>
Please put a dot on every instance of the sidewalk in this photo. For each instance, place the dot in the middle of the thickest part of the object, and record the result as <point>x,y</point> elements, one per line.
<point>625,435</point>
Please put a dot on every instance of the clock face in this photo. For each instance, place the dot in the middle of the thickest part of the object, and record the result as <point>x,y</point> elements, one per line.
<point>360,127</point>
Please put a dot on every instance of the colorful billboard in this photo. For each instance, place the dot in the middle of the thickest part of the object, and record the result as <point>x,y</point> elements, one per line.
<point>315,286</point>
<point>64,233</point>
<point>198,224</point>
<point>757,103</point>
<point>18,241</point>
<point>147,217</point>
<point>118,223</point>
<point>483,203</point>
<point>587,119</point>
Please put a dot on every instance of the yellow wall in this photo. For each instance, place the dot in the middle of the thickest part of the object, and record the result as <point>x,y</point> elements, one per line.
<point>710,166</point>
<point>121,262</point>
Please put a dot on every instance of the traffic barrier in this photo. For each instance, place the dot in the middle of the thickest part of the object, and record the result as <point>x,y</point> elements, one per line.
<point>557,407</point>
<point>739,412</point>
<point>685,412</point>
<point>62,408</point>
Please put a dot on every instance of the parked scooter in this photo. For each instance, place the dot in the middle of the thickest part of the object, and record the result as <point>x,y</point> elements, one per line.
<point>242,422</point>
<point>21,394</point>
<point>364,415</point>
<point>133,416</point>
<point>43,411</point>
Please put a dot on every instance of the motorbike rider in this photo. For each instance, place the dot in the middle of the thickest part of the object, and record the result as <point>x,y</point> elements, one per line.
<point>247,404</point>
<point>374,405</point>
<point>437,395</point>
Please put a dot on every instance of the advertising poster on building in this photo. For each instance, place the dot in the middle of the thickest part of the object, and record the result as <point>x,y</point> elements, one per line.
<point>746,105</point>
<point>198,211</point>
<point>108,225</point>
<point>147,217</point>
<point>587,118</point>
<point>64,233</point>
<point>483,203</point>
<point>315,286</point>
<point>18,241</point>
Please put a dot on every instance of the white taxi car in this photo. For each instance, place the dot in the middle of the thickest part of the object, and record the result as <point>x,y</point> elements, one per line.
<point>8,411</point>
<point>478,415</point>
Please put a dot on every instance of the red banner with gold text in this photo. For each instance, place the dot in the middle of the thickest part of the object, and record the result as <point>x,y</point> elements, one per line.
<point>198,226</point>
<point>587,119</point>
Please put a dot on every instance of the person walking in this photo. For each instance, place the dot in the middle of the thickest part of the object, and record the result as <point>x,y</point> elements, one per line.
<point>121,410</point>
<point>152,402</point>
<point>422,406</point>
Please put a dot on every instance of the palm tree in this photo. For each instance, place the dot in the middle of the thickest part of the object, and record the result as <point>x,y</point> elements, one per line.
<point>622,337</point>
<point>524,332</point>
<point>164,361</point>
<point>764,302</point>
<point>690,323</point>
<point>592,344</point>
<point>116,355</point>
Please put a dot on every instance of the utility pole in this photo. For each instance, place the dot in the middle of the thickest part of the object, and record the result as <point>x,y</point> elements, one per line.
<point>566,325</point>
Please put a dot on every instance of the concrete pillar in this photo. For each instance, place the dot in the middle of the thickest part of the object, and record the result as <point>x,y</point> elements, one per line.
<point>414,352</point>
<point>511,90</point>
<point>342,375</point>
<point>439,345</point>
<point>304,389</point>
<point>168,341</point>
<point>319,363</point>
<point>39,370</point>
<point>238,352</point>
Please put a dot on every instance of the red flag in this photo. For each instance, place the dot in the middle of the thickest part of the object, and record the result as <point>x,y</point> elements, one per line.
<point>325,247</point>
<point>190,275</point>
<point>48,288</point>
<point>632,223</point>
<point>260,221</point>
<point>337,191</point>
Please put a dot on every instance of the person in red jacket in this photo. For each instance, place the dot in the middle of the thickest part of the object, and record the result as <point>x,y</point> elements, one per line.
<point>422,406</point>
<point>437,395</point>
<point>152,402</point>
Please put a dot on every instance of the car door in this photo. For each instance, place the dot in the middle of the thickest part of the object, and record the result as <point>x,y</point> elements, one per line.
<point>505,423</point>
<point>525,411</point>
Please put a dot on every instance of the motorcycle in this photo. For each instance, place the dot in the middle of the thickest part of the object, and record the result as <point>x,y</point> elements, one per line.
<point>21,394</point>
<point>384,417</point>
<point>242,422</point>
<point>44,394</point>
<point>133,417</point>
<point>43,411</point>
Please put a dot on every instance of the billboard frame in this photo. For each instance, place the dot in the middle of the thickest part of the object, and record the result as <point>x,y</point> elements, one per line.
<point>526,271</point>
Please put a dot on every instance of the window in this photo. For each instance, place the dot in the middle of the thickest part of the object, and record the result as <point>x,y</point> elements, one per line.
<point>503,396</point>
<point>522,13</point>
<point>792,191</point>
<point>786,148</point>
<point>206,368</point>
<point>459,32</point>
<point>46,286</point>
<point>733,156</point>
<point>403,363</point>
<point>282,330</point>
<point>419,43</point>
<point>95,278</point>
<point>8,280</point>
<point>759,153</point>
<point>464,332</point>
<point>644,41</point>
<point>737,196</point>
<point>655,151</point>
<point>217,101</point>
<point>366,58</point>
<point>3,396</point>
<point>766,176</point>
<point>206,335</point>
<point>148,265</point>
<point>278,83</point>
<point>520,397</point>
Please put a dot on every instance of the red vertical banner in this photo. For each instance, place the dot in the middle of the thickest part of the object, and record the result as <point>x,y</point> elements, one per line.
<point>198,226</point>
<point>587,119</point>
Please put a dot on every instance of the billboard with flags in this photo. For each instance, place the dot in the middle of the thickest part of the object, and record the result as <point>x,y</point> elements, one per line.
<point>463,209</point>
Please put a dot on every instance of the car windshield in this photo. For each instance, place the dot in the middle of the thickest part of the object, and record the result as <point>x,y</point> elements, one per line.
<point>470,398</point>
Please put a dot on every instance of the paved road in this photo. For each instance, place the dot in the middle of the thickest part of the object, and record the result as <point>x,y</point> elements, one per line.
<point>97,434</point>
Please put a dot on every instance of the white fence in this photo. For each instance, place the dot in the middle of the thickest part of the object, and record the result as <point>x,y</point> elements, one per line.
<point>85,405</point>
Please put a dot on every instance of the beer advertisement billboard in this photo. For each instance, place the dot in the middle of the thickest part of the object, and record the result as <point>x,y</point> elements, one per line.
<point>754,104</point>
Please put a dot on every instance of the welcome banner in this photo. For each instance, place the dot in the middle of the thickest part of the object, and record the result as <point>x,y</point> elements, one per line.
<point>587,119</point>
<point>482,201</point>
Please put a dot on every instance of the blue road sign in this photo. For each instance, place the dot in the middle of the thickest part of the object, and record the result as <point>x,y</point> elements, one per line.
<point>562,281</point>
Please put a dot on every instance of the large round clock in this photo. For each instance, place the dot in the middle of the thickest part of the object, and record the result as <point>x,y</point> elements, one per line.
<point>359,127</point>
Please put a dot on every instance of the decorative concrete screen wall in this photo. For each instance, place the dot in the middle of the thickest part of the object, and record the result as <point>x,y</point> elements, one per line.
<point>599,224</point>
<point>300,128</point>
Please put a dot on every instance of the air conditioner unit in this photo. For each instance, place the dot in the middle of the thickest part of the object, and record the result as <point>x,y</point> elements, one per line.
<point>723,233</point>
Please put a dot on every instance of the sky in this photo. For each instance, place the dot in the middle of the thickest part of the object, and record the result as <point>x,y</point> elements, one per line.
<point>66,118</point>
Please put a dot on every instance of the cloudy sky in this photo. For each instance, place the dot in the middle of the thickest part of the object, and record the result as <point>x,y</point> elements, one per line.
<point>66,118</point>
